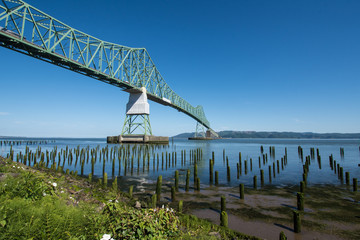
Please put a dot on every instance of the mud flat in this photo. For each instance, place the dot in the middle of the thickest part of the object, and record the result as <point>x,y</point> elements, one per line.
<point>330,212</point>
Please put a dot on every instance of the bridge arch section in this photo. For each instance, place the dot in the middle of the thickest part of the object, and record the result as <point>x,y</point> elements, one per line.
<point>28,30</point>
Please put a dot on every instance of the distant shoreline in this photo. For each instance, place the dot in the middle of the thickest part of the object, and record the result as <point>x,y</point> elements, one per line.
<point>278,135</point>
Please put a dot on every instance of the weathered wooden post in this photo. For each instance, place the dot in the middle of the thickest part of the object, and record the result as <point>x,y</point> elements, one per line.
<point>228,173</point>
<point>153,200</point>
<point>270,173</point>
<point>223,204</point>
<point>302,186</point>
<point>347,178</point>
<point>198,184</point>
<point>355,184</point>
<point>187,180</point>
<point>297,222</point>
<point>262,177</point>
<point>180,208</point>
<point>195,173</point>
<point>131,188</point>
<point>115,184</point>
<point>177,180</point>
<point>211,169</point>
<point>158,187</point>
<point>224,219</point>
<point>216,178</point>
<point>300,201</point>
<point>242,195</point>
<point>255,182</point>
<point>105,179</point>
<point>282,236</point>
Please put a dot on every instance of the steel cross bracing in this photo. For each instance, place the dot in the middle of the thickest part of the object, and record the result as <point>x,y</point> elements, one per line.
<point>25,29</point>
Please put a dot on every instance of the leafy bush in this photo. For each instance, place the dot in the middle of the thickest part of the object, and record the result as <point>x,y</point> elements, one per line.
<point>130,223</point>
<point>48,218</point>
<point>27,185</point>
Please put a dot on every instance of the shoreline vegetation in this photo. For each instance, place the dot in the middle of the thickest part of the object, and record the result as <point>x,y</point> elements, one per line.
<point>42,203</point>
<point>285,135</point>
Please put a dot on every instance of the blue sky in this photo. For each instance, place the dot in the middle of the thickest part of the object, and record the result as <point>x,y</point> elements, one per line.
<point>253,65</point>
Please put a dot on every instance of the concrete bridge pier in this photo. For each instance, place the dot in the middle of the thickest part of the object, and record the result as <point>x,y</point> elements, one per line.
<point>137,127</point>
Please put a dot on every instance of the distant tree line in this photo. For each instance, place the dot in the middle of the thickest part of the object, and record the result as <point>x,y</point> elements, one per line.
<point>254,134</point>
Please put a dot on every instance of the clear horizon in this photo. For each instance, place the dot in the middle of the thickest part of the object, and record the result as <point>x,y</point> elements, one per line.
<point>278,66</point>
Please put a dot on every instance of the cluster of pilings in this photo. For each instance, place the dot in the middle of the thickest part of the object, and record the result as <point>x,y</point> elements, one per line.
<point>123,159</point>
<point>336,167</point>
<point>24,142</point>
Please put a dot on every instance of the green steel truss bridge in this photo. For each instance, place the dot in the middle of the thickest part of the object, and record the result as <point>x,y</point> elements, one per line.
<point>27,30</point>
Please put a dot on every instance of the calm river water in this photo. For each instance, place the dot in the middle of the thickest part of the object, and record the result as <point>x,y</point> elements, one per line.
<point>249,148</point>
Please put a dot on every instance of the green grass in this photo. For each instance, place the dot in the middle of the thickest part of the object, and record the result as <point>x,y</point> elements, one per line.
<point>44,204</point>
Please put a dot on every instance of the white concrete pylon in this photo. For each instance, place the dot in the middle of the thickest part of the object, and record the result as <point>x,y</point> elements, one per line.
<point>138,104</point>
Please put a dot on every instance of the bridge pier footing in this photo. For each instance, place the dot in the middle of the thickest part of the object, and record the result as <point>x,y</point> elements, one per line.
<point>138,138</point>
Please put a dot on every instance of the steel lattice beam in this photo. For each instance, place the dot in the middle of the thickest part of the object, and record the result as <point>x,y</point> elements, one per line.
<point>35,33</point>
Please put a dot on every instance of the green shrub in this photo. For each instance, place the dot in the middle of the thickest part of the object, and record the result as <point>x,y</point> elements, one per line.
<point>27,185</point>
<point>48,218</point>
<point>130,223</point>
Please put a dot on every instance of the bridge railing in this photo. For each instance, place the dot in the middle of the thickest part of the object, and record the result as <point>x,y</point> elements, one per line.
<point>39,35</point>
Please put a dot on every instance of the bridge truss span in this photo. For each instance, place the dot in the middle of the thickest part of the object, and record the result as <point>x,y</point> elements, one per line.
<point>25,29</point>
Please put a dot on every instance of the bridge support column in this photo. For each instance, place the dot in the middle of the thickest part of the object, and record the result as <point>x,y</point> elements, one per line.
<point>137,127</point>
<point>202,134</point>
<point>200,131</point>
<point>134,122</point>
<point>137,118</point>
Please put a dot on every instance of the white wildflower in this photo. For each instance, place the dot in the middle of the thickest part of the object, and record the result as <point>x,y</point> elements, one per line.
<point>44,194</point>
<point>167,209</point>
<point>110,200</point>
<point>116,201</point>
<point>106,237</point>
<point>54,184</point>
<point>18,167</point>
<point>162,206</point>
<point>62,192</point>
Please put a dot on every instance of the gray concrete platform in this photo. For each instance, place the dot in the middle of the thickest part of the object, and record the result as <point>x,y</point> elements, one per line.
<point>147,139</point>
<point>200,138</point>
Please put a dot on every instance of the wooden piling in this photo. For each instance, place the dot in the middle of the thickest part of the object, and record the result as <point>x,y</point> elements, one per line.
<point>153,200</point>
<point>187,180</point>
<point>242,188</point>
<point>300,201</point>
<point>302,187</point>
<point>158,187</point>
<point>223,204</point>
<point>262,177</point>
<point>177,180</point>
<point>211,169</point>
<point>355,184</point>
<point>216,178</point>
<point>347,178</point>
<point>228,173</point>
<point>224,219</point>
<point>297,222</point>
